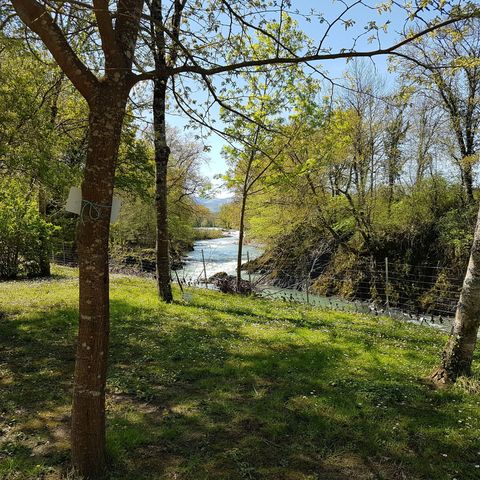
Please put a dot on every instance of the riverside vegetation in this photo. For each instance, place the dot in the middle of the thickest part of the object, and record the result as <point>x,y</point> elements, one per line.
<point>230,387</point>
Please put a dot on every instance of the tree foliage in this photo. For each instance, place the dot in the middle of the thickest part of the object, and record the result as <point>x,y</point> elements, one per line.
<point>23,231</point>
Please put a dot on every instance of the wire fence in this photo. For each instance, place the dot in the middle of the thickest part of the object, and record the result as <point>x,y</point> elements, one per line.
<point>423,293</point>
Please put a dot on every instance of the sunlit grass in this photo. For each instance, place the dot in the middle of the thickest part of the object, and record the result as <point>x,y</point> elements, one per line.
<point>224,387</point>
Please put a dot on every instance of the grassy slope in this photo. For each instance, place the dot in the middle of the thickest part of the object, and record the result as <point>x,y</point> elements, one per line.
<point>232,388</point>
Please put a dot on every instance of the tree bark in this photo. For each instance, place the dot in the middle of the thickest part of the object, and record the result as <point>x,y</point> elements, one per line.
<point>458,353</point>
<point>162,153</point>
<point>44,254</point>
<point>241,233</point>
<point>88,412</point>
<point>468,178</point>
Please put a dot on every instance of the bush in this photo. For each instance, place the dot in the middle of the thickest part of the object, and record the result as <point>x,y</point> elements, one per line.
<point>207,233</point>
<point>24,235</point>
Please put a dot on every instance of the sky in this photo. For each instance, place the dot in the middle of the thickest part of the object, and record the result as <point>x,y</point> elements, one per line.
<point>339,38</point>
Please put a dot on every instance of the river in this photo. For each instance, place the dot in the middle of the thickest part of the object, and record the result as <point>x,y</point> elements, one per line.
<point>220,256</point>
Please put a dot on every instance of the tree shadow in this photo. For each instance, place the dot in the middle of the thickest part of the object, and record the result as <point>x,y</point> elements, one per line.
<point>192,397</point>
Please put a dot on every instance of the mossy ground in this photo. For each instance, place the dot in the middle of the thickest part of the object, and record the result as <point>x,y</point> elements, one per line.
<point>224,387</point>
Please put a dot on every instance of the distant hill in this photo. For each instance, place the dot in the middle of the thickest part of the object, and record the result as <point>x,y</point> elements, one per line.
<point>213,204</point>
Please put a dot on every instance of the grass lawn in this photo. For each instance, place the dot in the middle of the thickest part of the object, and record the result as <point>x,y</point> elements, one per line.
<point>231,388</point>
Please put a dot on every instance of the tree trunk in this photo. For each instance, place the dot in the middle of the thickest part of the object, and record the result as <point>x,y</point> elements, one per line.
<point>468,179</point>
<point>162,153</point>
<point>391,185</point>
<point>88,412</point>
<point>240,240</point>
<point>458,354</point>
<point>44,255</point>
<point>44,258</point>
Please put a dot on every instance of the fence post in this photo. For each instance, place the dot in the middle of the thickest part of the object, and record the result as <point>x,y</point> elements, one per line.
<point>386,284</point>
<point>204,270</point>
<point>248,268</point>
<point>307,287</point>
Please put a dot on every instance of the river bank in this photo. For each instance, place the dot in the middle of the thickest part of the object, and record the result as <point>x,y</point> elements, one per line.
<point>211,256</point>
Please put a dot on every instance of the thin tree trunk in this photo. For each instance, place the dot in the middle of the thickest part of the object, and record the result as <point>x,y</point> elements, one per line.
<point>458,354</point>
<point>247,184</point>
<point>162,153</point>
<point>44,256</point>
<point>468,179</point>
<point>240,240</point>
<point>44,260</point>
<point>88,411</point>
<point>391,186</point>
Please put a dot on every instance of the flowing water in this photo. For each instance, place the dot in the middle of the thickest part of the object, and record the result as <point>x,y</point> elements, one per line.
<point>220,256</point>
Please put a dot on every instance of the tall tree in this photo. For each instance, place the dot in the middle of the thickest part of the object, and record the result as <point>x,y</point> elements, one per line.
<point>446,63</point>
<point>107,98</point>
<point>423,137</point>
<point>165,54</point>
<point>395,130</point>
<point>362,101</point>
<point>257,113</point>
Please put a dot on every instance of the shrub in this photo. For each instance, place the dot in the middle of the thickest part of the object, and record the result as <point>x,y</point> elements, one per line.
<point>24,234</point>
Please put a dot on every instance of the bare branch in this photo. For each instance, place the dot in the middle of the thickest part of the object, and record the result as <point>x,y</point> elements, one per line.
<point>293,60</point>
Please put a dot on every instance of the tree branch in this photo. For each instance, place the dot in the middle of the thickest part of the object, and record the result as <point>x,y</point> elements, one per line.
<point>306,58</point>
<point>36,17</point>
<point>129,13</point>
<point>107,34</point>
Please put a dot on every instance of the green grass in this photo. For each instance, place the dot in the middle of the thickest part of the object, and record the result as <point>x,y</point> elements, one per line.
<point>231,388</point>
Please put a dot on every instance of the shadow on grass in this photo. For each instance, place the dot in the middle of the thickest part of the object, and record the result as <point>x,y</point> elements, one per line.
<point>197,399</point>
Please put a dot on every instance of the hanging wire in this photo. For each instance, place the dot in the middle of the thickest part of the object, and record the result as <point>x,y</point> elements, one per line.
<point>366,295</point>
<point>94,210</point>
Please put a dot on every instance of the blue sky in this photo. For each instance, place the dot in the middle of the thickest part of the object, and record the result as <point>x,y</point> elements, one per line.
<point>339,38</point>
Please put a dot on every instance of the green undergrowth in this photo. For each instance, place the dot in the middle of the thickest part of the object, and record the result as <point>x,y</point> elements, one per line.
<point>224,387</point>
<point>208,233</point>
